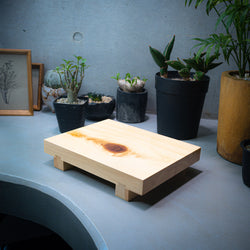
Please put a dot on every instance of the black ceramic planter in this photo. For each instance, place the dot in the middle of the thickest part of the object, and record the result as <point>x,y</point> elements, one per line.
<point>131,107</point>
<point>179,105</point>
<point>246,162</point>
<point>70,116</point>
<point>99,111</point>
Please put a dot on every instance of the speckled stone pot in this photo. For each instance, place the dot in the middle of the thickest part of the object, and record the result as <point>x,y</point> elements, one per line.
<point>49,95</point>
<point>131,107</point>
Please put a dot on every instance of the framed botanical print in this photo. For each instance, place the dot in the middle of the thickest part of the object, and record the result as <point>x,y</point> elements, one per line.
<point>15,82</point>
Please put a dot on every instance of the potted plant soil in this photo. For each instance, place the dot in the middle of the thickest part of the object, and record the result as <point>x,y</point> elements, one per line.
<point>181,95</point>
<point>234,105</point>
<point>70,110</point>
<point>245,145</point>
<point>131,100</point>
<point>51,89</point>
<point>99,106</point>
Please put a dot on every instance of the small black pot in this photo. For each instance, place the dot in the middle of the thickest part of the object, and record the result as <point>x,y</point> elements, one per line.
<point>131,107</point>
<point>179,105</point>
<point>246,162</point>
<point>70,116</point>
<point>100,111</point>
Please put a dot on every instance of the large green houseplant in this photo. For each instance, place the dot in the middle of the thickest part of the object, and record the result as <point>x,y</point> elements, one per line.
<point>70,110</point>
<point>234,107</point>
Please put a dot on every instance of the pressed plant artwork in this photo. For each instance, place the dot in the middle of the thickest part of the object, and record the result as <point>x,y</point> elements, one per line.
<point>7,80</point>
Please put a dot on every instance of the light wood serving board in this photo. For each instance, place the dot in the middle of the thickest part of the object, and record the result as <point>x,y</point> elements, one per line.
<point>135,160</point>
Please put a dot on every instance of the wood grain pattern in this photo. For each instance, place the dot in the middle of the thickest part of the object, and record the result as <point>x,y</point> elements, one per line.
<point>134,159</point>
<point>234,116</point>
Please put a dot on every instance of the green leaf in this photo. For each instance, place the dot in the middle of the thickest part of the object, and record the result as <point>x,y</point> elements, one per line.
<point>177,65</point>
<point>157,56</point>
<point>198,75</point>
<point>185,73</point>
<point>168,50</point>
<point>117,77</point>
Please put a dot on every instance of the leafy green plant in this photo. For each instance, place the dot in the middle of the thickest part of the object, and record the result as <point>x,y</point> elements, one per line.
<point>117,77</point>
<point>130,83</point>
<point>129,78</point>
<point>95,97</point>
<point>71,76</point>
<point>133,80</point>
<point>161,58</point>
<point>234,15</point>
<point>200,64</point>
<point>182,68</point>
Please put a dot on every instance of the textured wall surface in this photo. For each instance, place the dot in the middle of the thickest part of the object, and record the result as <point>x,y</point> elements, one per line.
<point>113,35</point>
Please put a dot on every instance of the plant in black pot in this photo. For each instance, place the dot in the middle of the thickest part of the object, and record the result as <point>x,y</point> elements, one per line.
<point>70,110</point>
<point>131,99</point>
<point>180,96</point>
<point>99,106</point>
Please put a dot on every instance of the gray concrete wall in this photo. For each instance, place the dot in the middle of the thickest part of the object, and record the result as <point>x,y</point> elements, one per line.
<point>113,35</point>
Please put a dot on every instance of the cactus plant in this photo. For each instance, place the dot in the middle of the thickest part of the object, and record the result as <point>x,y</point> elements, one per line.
<point>161,58</point>
<point>71,75</point>
<point>130,83</point>
<point>52,79</point>
<point>200,64</point>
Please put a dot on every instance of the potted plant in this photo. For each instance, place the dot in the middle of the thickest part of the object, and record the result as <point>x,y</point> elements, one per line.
<point>180,96</point>
<point>245,145</point>
<point>131,100</point>
<point>51,89</point>
<point>70,110</point>
<point>234,105</point>
<point>99,106</point>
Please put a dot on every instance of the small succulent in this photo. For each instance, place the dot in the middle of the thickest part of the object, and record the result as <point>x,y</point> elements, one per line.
<point>161,58</point>
<point>200,64</point>
<point>95,97</point>
<point>130,83</point>
<point>71,75</point>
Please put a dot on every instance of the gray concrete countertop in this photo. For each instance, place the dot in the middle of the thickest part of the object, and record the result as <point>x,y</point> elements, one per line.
<point>207,206</point>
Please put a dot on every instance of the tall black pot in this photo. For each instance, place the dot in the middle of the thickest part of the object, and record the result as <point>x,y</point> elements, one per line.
<point>246,162</point>
<point>179,105</point>
<point>131,107</point>
<point>70,116</point>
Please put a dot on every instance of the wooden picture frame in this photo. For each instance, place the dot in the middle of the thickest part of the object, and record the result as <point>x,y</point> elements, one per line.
<point>37,81</point>
<point>15,82</point>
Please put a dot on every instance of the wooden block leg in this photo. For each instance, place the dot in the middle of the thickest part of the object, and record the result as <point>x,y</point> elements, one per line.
<point>123,193</point>
<point>58,163</point>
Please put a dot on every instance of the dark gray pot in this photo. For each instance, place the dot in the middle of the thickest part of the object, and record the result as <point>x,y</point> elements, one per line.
<point>179,105</point>
<point>70,116</point>
<point>100,111</point>
<point>131,107</point>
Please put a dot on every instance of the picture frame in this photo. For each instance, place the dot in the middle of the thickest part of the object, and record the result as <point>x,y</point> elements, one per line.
<point>15,82</point>
<point>37,81</point>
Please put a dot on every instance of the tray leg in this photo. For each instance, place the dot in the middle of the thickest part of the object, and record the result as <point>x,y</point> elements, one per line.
<point>60,164</point>
<point>123,193</point>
